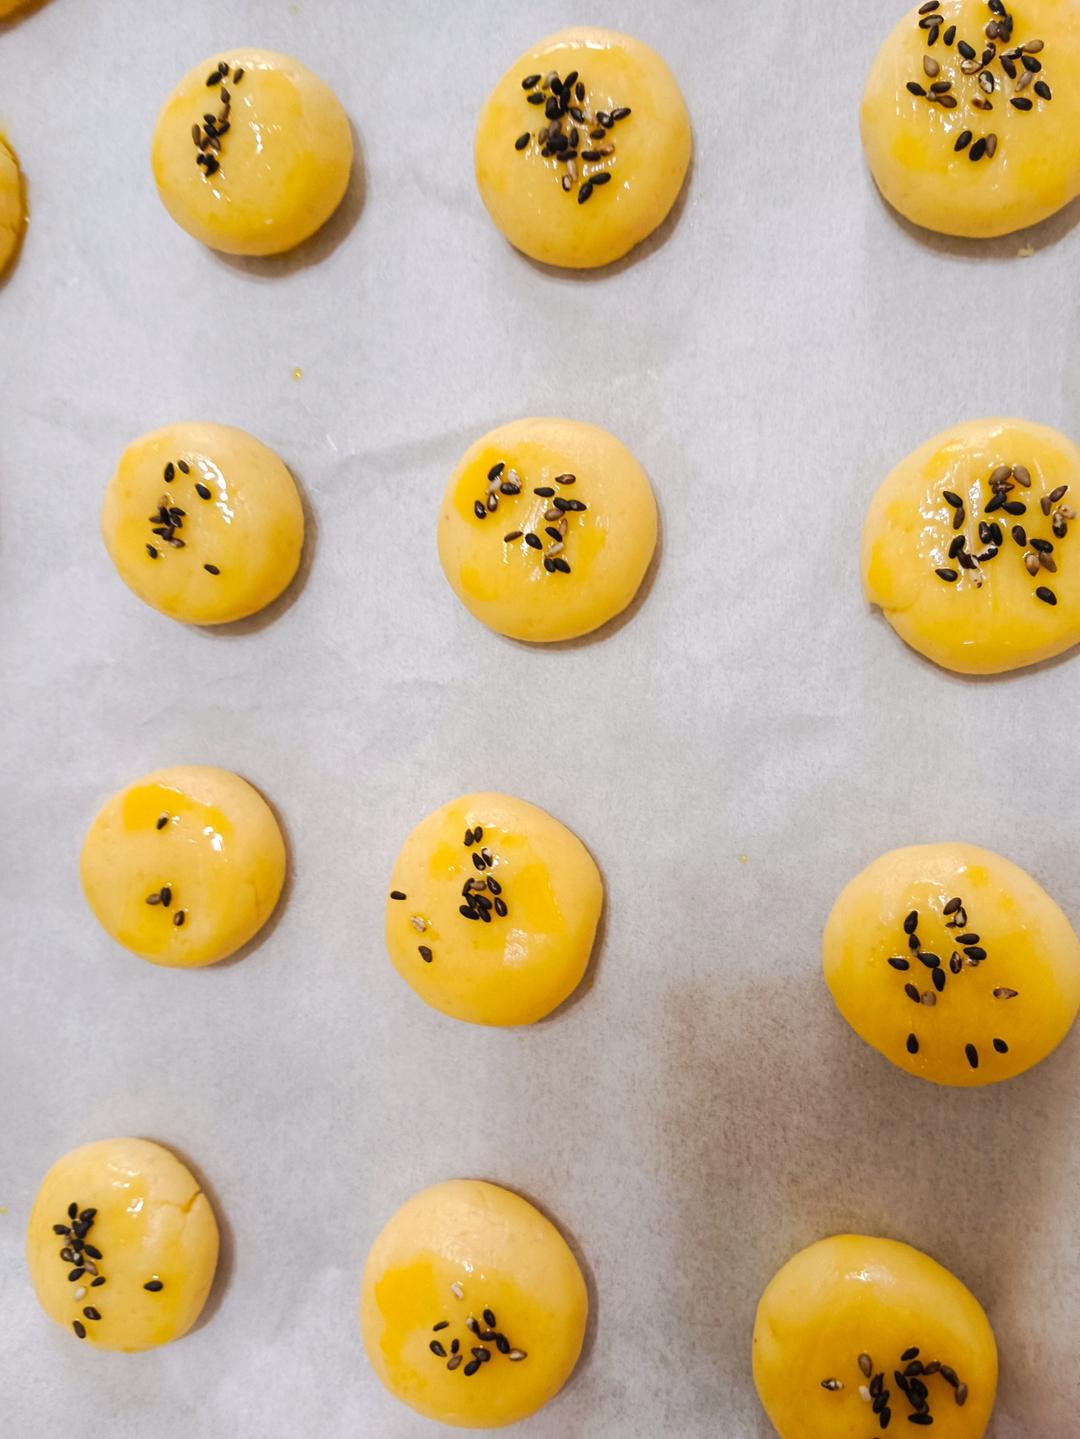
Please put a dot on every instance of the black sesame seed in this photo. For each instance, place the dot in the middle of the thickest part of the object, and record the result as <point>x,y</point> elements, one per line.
<point>75,1274</point>
<point>601,177</point>
<point>91,1313</point>
<point>98,1282</point>
<point>513,535</point>
<point>154,1285</point>
<point>947,575</point>
<point>1021,102</point>
<point>977,151</point>
<point>912,1044</point>
<point>471,1368</point>
<point>151,552</point>
<point>425,954</point>
<point>211,569</point>
<point>437,1349</point>
<point>995,503</point>
<point>521,141</point>
<point>91,1252</point>
<point>530,82</point>
<point>1015,507</point>
<point>585,191</point>
<point>912,993</point>
<point>1001,1046</point>
<point>930,960</point>
<point>79,1328</point>
<point>973,951</point>
<point>468,911</point>
<point>938,977</point>
<point>546,490</point>
<point>1047,596</point>
<point>165,895</point>
<point>1030,62</point>
<point>910,1354</point>
<point>972,1055</point>
<point>534,541</point>
<point>898,963</point>
<point>915,87</point>
<point>963,140</point>
<point>1042,89</point>
<point>1019,534</point>
<point>950,35</point>
<point>489,1317</point>
<point>968,51</point>
<point>398,894</point>
<point>911,922</point>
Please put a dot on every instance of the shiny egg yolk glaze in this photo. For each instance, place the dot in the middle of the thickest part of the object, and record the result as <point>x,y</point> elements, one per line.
<point>911,144</point>
<point>851,1296</point>
<point>1023,993</point>
<point>450,1253</point>
<point>518,966</point>
<point>991,618</point>
<point>522,188</point>
<point>153,1224</point>
<point>284,162</point>
<point>204,835</point>
<point>241,514</point>
<point>12,206</point>
<point>608,545</point>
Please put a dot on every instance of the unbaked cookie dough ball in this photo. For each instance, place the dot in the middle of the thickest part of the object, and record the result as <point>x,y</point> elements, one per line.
<point>203,522</point>
<point>492,911</point>
<point>547,529</point>
<point>184,866</point>
<point>856,1335</point>
<point>8,7</point>
<point>122,1245</point>
<point>252,153</point>
<point>953,963</point>
<point>971,115</point>
<point>472,1306</point>
<point>12,206</point>
<point>582,147</point>
<point>967,546</point>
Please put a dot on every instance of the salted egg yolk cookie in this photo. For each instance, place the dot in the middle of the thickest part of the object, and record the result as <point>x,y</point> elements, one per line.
<point>855,1334</point>
<point>582,147</point>
<point>12,206</point>
<point>547,529</point>
<point>203,522</point>
<point>953,963</point>
<point>122,1245</point>
<point>184,866</point>
<point>971,115</point>
<point>472,1306</point>
<point>252,153</point>
<point>967,546</point>
<point>492,911</point>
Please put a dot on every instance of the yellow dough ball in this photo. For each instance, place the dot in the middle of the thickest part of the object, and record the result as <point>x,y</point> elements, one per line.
<point>8,7</point>
<point>953,963</point>
<point>971,120</point>
<point>472,1306</point>
<point>628,146</point>
<point>844,1317</point>
<point>203,522</point>
<point>271,165</point>
<point>967,546</point>
<point>493,910</point>
<point>547,529</point>
<point>12,206</point>
<point>122,1245</point>
<point>184,866</point>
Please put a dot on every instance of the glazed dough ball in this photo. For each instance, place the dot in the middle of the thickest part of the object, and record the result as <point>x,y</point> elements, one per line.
<point>953,963</point>
<point>632,143</point>
<point>203,522</point>
<point>472,1306</point>
<point>12,206</point>
<point>277,166</point>
<point>547,528</point>
<point>184,866</point>
<point>122,1245</point>
<point>8,7</point>
<point>493,910</point>
<point>967,546</point>
<point>998,146</point>
<point>844,1317</point>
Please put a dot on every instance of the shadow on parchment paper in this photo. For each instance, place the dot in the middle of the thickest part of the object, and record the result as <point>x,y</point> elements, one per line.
<point>955,677</point>
<point>1048,232</point>
<point>780,1127</point>
<point>226,1248</point>
<point>323,243</point>
<point>258,940</point>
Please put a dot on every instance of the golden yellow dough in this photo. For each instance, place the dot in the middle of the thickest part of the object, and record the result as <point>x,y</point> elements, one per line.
<point>535,882</point>
<point>184,866</point>
<point>277,173</point>
<point>496,534</point>
<point>1013,166</point>
<point>12,206</point>
<point>1006,959</point>
<point>8,7</point>
<point>203,522</point>
<point>464,1270</point>
<point>110,1219</point>
<point>566,213</point>
<point>1006,488</point>
<point>842,1318</point>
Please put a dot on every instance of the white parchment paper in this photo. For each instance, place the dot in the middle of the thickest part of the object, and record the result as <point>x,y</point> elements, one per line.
<point>731,754</point>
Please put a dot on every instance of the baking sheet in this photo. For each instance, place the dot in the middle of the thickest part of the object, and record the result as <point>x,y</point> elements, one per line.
<point>731,754</point>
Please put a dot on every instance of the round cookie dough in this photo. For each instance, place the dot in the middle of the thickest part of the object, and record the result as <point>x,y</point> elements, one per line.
<point>492,911</point>
<point>547,529</point>
<point>12,206</point>
<point>122,1245</point>
<point>184,866</point>
<point>971,118</point>
<point>9,7</point>
<point>967,546</point>
<point>854,1329</point>
<point>270,165</point>
<point>953,963</point>
<point>472,1306</point>
<point>582,147</point>
<point>203,522</point>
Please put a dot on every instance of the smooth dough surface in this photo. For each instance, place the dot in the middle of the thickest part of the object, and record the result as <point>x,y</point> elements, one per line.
<point>845,1312</point>
<point>284,161</point>
<point>601,546</point>
<point>236,508</point>
<point>997,606</point>
<point>467,1268</point>
<point>133,1216</point>
<point>536,882</point>
<point>12,206</point>
<point>523,188</point>
<point>8,7</point>
<point>188,841</point>
<point>1007,961</point>
<point>1031,166</point>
